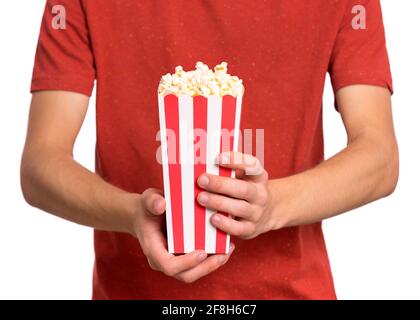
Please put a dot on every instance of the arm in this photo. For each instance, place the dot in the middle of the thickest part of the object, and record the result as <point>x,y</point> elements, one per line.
<point>54,182</point>
<point>366,170</point>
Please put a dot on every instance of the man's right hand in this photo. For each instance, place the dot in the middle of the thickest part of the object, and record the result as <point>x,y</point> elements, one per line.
<point>147,228</point>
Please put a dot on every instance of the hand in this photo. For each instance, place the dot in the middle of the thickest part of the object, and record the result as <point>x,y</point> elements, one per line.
<point>246,198</point>
<point>147,228</point>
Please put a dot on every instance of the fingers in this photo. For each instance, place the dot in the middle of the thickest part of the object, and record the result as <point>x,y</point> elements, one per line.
<point>187,268</point>
<point>220,203</point>
<point>208,266</point>
<point>173,265</point>
<point>154,201</point>
<point>160,259</point>
<point>235,188</point>
<point>237,160</point>
<point>242,228</point>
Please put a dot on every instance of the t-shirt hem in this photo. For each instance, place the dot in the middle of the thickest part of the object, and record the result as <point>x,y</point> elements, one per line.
<point>380,83</point>
<point>387,84</point>
<point>78,85</point>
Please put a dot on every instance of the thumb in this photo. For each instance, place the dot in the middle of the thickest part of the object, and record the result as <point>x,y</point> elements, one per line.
<point>153,201</point>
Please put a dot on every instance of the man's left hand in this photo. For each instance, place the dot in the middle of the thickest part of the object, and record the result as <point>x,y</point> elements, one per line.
<point>246,198</point>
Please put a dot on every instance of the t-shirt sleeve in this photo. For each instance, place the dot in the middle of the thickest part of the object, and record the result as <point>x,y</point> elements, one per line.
<point>360,54</point>
<point>64,59</point>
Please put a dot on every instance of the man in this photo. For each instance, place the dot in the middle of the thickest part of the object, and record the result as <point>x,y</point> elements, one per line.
<point>282,50</point>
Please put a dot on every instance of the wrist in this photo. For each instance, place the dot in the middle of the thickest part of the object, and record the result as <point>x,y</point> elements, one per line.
<point>131,213</point>
<point>280,205</point>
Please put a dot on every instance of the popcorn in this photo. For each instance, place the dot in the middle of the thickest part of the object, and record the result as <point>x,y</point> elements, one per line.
<point>201,82</point>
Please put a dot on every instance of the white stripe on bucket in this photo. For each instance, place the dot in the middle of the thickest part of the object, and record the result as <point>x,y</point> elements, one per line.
<point>186,148</point>
<point>214,123</point>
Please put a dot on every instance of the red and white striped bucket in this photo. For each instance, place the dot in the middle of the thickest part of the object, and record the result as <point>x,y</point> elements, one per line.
<point>189,127</point>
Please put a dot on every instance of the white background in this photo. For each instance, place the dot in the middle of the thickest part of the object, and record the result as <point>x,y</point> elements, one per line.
<point>374,251</point>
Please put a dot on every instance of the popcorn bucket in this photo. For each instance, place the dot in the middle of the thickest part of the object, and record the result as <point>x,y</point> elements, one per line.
<point>193,132</point>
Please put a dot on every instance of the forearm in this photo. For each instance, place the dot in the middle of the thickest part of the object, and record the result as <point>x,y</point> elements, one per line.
<point>54,182</point>
<point>363,172</point>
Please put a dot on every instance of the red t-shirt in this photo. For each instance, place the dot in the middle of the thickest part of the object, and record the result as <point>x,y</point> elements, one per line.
<point>282,49</point>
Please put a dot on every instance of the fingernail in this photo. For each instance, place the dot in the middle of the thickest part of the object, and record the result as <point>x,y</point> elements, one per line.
<point>201,256</point>
<point>250,160</point>
<point>203,180</point>
<point>216,218</point>
<point>224,159</point>
<point>223,259</point>
<point>157,205</point>
<point>202,198</point>
<point>231,248</point>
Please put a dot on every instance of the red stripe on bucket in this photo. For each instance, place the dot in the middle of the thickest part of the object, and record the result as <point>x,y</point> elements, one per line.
<point>172,123</point>
<point>200,154</point>
<point>226,144</point>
